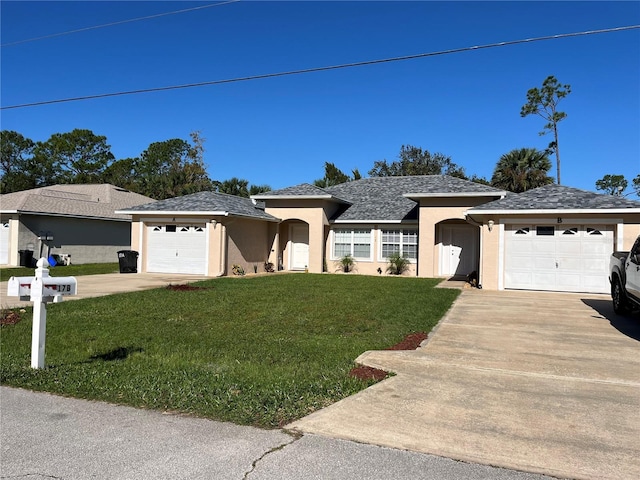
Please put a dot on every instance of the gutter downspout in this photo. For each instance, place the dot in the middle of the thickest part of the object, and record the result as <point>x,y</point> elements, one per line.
<point>223,250</point>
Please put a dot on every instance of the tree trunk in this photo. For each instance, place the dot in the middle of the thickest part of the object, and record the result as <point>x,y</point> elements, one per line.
<point>555,132</point>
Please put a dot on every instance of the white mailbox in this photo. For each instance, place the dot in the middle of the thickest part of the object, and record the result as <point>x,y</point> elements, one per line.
<point>27,289</point>
<point>20,287</point>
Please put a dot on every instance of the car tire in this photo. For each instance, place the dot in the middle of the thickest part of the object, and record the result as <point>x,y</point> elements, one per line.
<point>620,303</point>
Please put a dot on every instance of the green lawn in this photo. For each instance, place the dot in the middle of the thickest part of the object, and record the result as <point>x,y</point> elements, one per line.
<point>62,271</point>
<point>258,351</point>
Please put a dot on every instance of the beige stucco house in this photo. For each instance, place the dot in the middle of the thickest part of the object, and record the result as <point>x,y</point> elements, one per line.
<point>76,221</point>
<point>552,238</point>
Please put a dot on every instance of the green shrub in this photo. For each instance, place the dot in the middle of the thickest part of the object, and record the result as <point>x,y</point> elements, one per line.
<point>398,264</point>
<point>346,263</point>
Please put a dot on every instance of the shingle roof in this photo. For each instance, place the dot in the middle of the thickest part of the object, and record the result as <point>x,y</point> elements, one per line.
<point>98,200</point>
<point>207,202</point>
<point>558,197</point>
<point>381,198</point>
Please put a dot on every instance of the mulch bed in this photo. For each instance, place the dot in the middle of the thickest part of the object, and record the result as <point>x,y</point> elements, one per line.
<point>10,317</point>
<point>410,342</point>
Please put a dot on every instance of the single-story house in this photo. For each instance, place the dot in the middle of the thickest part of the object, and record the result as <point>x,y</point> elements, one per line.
<point>76,222</point>
<point>551,238</point>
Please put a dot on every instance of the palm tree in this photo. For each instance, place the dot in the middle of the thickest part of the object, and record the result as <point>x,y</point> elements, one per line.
<point>234,186</point>
<point>521,170</point>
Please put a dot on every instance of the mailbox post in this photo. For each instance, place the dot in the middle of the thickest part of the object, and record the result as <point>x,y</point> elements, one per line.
<point>41,289</point>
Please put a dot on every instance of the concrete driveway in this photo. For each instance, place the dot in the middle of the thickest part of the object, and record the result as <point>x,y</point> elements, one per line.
<point>539,382</point>
<point>110,283</point>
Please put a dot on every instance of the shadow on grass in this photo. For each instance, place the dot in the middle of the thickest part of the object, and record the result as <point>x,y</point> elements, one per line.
<point>628,325</point>
<point>120,353</point>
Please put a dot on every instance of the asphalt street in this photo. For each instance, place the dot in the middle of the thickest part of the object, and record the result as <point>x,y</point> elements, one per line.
<point>45,436</point>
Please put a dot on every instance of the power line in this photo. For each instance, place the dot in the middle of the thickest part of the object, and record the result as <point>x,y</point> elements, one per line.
<point>18,42</point>
<point>322,69</point>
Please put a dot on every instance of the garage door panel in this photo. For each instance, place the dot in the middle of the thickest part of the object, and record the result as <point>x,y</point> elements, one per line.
<point>544,263</point>
<point>543,246</point>
<point>595,265</point>
<point>524,262</point>
<point>597,248</point>
<point>593,283</point>
<point>571,247</point>
<point>572,258</point>
<point>543,278</point>
<point>521,280</point>
<point>570,281</point>
<point>573,264</point>
<point>521,246</point>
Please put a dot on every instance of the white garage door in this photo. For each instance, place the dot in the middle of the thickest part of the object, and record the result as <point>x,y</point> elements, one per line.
<point>4,243</point>
<point>177,249</point>
<point>563,258</point>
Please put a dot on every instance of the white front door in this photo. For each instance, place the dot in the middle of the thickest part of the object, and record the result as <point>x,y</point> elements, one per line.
<point>177,249</point>
<point>458,254</point>
<point>562,258</point>
<point>4,243</point>
<point>299,247</point>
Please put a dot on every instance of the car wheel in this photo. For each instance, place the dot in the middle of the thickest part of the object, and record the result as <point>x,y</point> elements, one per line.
<point>620,305</point>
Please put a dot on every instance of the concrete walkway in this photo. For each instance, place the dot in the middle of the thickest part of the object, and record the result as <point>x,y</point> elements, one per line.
<point>539,382</point>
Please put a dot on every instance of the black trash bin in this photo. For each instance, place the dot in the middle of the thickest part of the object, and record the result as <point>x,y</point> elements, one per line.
<point>128,260</point>
<point>26,258</point>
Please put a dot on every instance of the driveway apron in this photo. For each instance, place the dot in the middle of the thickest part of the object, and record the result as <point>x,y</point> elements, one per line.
<point>539,382</point>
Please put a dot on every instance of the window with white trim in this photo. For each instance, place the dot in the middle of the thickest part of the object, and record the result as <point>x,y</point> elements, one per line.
<point>354,242</point>
<point>404,242</point>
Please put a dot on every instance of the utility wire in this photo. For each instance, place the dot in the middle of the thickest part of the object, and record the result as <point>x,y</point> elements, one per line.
<point>18,42</point>
<point>322,69</point>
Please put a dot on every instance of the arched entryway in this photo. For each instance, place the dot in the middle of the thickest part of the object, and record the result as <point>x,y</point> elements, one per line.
<point>293,253</point>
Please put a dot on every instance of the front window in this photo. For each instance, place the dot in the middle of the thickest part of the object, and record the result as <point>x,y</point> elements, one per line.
<point>354,242</point>
<point>404,242</point>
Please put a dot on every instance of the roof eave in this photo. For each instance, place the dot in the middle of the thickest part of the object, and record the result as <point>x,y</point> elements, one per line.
<point>413,196</point>
<point>373,221</point>
<point>553,211</point>
<point>68,215</point>
<point>266,219</point>
<point>173,212</point>
<point>300,197</point>
<point>178,213</point>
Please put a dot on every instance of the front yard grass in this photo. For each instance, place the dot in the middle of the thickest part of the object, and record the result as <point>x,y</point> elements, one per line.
<point>259,351</point>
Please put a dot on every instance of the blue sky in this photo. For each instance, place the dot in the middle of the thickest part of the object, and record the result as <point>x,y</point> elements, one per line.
<point>280,131</point>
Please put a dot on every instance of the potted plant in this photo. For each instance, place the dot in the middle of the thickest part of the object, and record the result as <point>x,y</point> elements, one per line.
<point>237,270</point>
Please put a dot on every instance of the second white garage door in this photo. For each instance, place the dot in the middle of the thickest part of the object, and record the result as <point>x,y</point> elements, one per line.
<point>4,243</point>
<point>177,249</point>
<point>563,258</point>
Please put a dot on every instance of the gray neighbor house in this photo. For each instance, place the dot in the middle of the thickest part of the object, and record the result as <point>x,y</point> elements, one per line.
<point>77,223</point>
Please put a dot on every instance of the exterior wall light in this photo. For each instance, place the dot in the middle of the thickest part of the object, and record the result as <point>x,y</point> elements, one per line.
<point>490,224</point>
